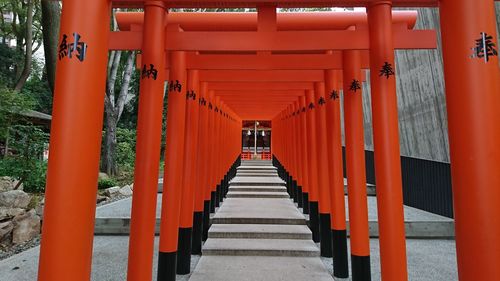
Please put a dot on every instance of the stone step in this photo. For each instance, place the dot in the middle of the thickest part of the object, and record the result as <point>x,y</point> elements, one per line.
<point>413,229</point>
<point>259,231</point>
<point>256,174</point>
<point>258,188</point>
<point>260,247</point>
<point>232,268</point>
<point>258,194</point>
<point>253,181</point>
<point>258,211</point>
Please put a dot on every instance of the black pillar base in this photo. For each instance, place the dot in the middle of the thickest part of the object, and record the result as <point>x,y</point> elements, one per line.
<point>212,202</point>
<point>326,235</point>
<point>295,192</point>
<point>166,266</point>
<point>361,268</point>
<point>300,196</point>
<point>217,196</point>
<point>340,260</point>
<point>287,184</point>
<point>306,203</point>
<point>184,251</point>
<point>206,219</point>
<point>314,221</point>
<point>197,233</point>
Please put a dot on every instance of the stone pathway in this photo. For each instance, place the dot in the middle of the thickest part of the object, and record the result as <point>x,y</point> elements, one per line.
<point>259,234</point>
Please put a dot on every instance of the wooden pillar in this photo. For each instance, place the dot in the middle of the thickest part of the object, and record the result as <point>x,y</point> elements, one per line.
<point>68,226</point>
<point>472,78</point>
<point>386,143</point>
<point>148,145</point>
<point>355,164</point>
<point>174,164</point>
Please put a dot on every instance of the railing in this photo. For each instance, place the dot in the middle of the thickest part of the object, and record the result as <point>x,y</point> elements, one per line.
<point>263,154</point>
<point>426,183</point>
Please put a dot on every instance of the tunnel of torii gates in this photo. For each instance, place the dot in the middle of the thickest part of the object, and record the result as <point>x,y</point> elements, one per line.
<point>291,68</point>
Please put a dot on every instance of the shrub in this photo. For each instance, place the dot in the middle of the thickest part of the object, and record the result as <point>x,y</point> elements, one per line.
<point>25,163</point>
<point>104,183</point>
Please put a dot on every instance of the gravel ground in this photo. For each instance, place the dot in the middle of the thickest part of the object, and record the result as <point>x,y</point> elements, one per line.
<point>9,251</point>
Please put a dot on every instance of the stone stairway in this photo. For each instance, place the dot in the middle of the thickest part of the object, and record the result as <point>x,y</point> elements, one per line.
<point>258,233</point>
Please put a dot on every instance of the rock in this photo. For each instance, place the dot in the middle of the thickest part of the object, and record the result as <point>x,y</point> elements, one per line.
<point>5,231</point>
<point>101,198</point>
<point>126,191</point>
<point>39,210</point>
<point>112,190</point>
<point>9,213</point>
<point>26,227</point>
<point>103,176</point>
<point>15,199</point>
<point>8,183</point>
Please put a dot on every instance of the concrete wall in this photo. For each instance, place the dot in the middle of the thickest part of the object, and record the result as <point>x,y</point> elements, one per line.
<point>423,125</point>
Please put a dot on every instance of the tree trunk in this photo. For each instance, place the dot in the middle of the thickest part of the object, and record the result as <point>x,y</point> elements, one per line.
<point>28,59</point>
<point>51,17</point>
<point>109,161</point>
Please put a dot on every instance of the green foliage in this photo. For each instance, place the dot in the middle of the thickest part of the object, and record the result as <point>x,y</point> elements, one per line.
<point>9,59</point>
<point>37,90</point>
<point>26,164</point>
<point>11,105</point>
<point>125,149</point>
<point>104,183</point>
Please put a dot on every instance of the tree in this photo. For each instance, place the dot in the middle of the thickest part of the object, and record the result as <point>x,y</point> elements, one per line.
<point>114,103</point>
<point>28,38</point>
<point>51,18</point>
<point>25,29</point>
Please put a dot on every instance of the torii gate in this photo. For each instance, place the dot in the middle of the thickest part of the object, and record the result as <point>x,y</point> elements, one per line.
<point>474,132</point>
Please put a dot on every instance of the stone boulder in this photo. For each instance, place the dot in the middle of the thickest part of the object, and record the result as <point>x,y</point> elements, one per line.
<point>6,231</point>
<point>111,191</point>
<point>8,183</point>
<point>26,227</point>
<point>9,213</point>
<point>14,199</point>
<point>126,191</point>
<point>103,176</point>
<point>101,198</point>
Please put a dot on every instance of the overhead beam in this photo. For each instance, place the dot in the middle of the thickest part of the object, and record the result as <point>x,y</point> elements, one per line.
<point>247,21</point>
<point>245,94</point>
<point>274,41</point>
<point>265,62</point>
<point>278,3</point>
<point>261,76</point>
<point>221,87</point>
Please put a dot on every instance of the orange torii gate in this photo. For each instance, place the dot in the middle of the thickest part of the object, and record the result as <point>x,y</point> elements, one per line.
<point>468,30</point>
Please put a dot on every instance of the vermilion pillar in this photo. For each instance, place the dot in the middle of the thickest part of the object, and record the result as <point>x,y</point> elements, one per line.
<point>149,126</point>
<point>190,161</point>
<point>298,150</point>
<point>202,168</point>
<point>335,164</point>
<point>312,165</point>
<point>304,148</point>
<point>174,164</point>
<point>208,203</point>
<point>217,151</point>
<point>472,77</point>
<point>355,164</point>
<point>68,226</point>
<point>323,171</point>
<point>386,143</point>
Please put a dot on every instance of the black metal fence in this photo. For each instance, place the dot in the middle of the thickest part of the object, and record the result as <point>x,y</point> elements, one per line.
<point>426,183</point>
